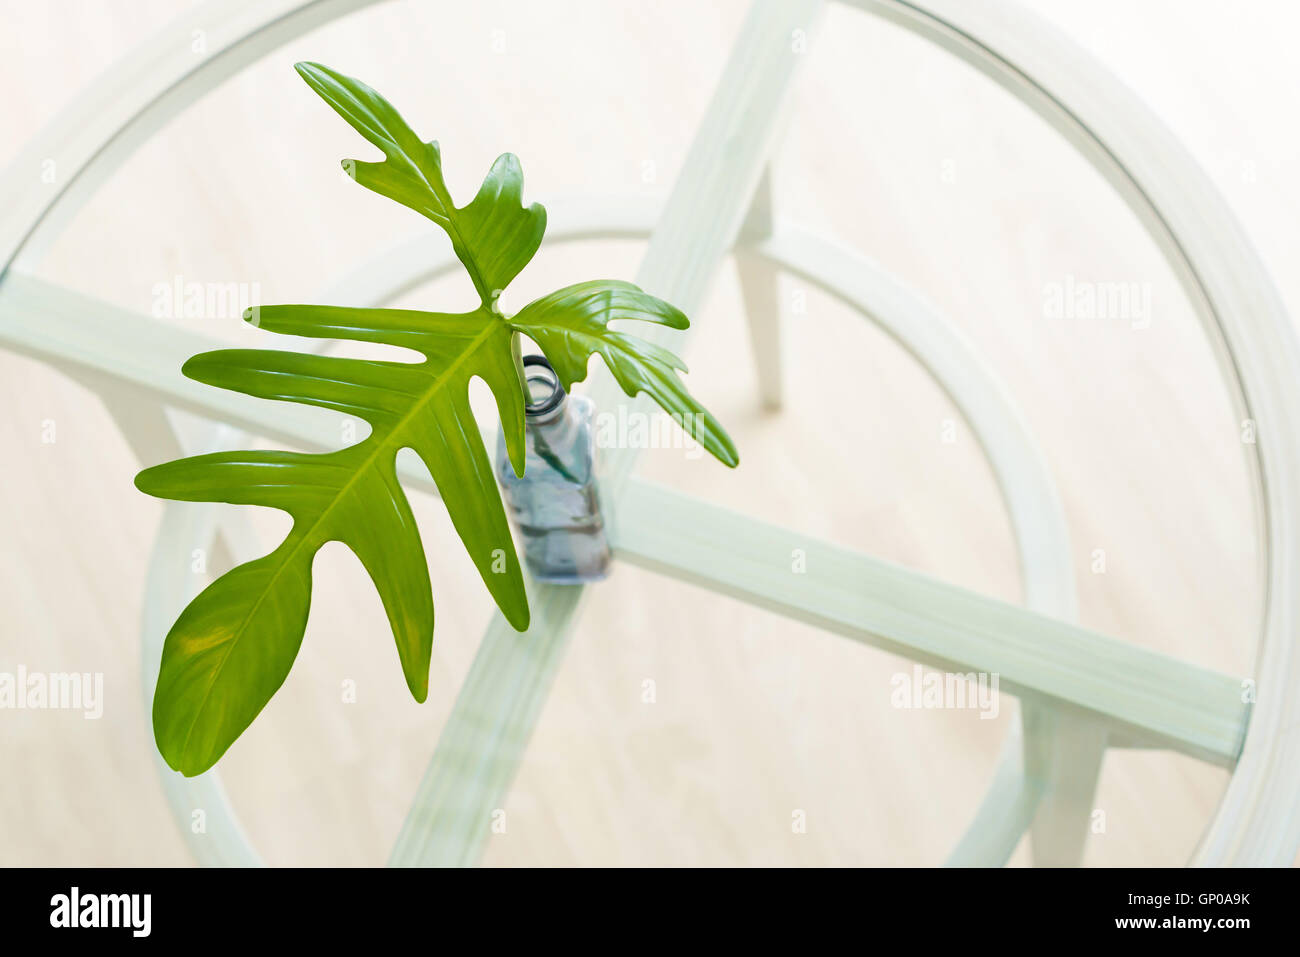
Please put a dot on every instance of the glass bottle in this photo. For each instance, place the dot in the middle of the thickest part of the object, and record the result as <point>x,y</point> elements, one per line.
<point>555,505</point>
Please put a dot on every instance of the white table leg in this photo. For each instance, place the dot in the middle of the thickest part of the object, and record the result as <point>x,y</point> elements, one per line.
<point>760,290</point>
<point>1063,753</point>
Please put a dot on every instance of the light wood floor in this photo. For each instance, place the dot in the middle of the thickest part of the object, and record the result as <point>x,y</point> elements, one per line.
<point>894,149</point>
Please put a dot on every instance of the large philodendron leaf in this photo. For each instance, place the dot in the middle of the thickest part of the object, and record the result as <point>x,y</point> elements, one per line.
<point>233,646</point>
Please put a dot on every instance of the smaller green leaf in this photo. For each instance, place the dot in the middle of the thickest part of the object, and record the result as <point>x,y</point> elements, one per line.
<point>573,323</point>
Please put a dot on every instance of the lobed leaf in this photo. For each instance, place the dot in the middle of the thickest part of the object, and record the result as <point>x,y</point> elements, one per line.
<point>233,646</point>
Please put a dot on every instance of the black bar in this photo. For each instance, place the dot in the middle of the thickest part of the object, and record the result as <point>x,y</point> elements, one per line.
<point>483,907</point>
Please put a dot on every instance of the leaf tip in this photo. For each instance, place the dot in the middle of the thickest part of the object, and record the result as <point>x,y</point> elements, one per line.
<point>520,620</point>
<point>725,451</point>
<point>141,481</point>
<point>308,69</point>
<point>514,606</point>
<point>193,367</point>
<point>516,451</point>
<point>178,757</point>
<point>507,163</point>
<point>674,318</point>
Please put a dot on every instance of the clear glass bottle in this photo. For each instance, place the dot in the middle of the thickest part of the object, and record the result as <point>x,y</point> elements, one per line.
<point>555,505</point>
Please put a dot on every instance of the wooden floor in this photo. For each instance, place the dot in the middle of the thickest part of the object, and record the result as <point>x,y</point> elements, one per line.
<point>893,149</point>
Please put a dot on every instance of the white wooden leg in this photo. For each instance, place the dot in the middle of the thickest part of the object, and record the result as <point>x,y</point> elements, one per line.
<point>1063,754</point>
<point>761,293</point>
<point>1005,813</point>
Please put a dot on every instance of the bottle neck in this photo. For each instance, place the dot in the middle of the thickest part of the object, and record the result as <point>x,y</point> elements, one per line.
<point>548,418</point>
<point>545,400</point>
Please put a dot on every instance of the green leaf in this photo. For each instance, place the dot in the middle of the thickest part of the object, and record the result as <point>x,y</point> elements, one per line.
<point>573,324</point>
<point>233,647</point>
<point>494,236</point>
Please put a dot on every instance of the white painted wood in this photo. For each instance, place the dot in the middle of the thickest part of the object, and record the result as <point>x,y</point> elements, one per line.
<point>1190,709</point>
<point>1063,754</point>
<point>52,323</point>
<point>760,289</point>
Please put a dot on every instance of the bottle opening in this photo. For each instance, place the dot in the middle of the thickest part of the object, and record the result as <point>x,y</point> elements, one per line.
<point>543,392</point>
